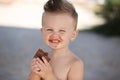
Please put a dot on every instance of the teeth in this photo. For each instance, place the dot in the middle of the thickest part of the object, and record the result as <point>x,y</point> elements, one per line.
<point>55,41</point>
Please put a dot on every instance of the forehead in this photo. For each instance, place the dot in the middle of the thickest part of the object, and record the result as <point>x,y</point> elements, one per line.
<point>57,20</point>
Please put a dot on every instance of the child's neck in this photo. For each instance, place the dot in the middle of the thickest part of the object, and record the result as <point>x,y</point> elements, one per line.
<point>61,52</point>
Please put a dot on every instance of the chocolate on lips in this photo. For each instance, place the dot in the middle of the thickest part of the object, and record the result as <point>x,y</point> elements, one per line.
<point>40,53</point>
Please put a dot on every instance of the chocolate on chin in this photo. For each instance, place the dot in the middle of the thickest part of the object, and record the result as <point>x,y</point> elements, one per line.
<point>40,53</point>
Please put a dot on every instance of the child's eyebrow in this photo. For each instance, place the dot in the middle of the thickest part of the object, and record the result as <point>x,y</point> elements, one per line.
<point>47,27</point>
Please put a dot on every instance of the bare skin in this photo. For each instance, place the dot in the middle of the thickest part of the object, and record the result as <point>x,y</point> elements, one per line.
<point>58,31</point>
<point>66,66</point>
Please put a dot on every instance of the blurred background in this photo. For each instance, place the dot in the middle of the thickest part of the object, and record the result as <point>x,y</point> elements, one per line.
<point>98,42</point>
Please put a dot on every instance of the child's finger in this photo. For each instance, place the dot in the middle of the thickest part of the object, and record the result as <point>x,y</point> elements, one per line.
<point>40,64</point>
<point>35,68</point>
<point>45,61</point>
<point>33,62</point>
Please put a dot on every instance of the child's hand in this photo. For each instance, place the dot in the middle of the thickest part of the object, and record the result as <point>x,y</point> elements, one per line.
<point>34,66</point>
<point>42,68</point>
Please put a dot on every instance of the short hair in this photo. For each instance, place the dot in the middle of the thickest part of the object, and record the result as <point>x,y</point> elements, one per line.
<point>61,6</point>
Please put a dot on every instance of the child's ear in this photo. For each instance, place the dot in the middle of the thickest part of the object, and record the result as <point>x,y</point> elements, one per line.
<point>74,35</point>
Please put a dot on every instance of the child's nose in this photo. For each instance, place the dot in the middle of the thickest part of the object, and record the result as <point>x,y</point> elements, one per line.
<point>55,34</point>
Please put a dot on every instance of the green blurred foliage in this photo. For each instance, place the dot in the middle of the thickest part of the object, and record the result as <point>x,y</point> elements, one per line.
<point>111,12</point>
<point>111,9</point>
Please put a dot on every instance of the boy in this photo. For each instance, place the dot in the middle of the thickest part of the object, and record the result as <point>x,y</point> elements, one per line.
<point>59,22</point>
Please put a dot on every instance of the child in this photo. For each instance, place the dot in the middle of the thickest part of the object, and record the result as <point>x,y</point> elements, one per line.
<point>59,22</point>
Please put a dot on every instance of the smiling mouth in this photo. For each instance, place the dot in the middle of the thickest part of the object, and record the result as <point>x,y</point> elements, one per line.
<point>55,41</point>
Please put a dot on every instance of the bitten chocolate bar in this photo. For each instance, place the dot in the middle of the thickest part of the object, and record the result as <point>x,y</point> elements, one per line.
<point>41,53</point>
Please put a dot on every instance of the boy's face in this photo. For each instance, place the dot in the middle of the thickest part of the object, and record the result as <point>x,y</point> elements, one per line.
<point>58,30</point>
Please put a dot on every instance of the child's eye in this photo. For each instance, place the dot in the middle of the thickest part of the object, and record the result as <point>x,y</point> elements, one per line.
<point>49,29</point>
<point>62,31</point>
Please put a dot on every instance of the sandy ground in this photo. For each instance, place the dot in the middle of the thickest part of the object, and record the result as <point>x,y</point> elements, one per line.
<point>101,55</point>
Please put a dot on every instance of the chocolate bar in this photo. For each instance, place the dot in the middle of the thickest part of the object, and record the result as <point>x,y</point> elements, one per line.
<point>41,53</point>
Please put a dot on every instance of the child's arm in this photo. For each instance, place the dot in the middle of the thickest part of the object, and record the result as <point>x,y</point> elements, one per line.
<point>33,76</point>
<point>76,71</point>
<point>34,68</point>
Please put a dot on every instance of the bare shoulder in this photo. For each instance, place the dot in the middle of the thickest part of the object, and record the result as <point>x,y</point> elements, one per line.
<point>76,70</point>
<point>77,64</point>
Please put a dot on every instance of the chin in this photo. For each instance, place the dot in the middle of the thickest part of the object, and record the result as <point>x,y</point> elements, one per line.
<point>54,47</point>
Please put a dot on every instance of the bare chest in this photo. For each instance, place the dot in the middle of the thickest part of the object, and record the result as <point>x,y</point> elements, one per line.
<point>61,69</point>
